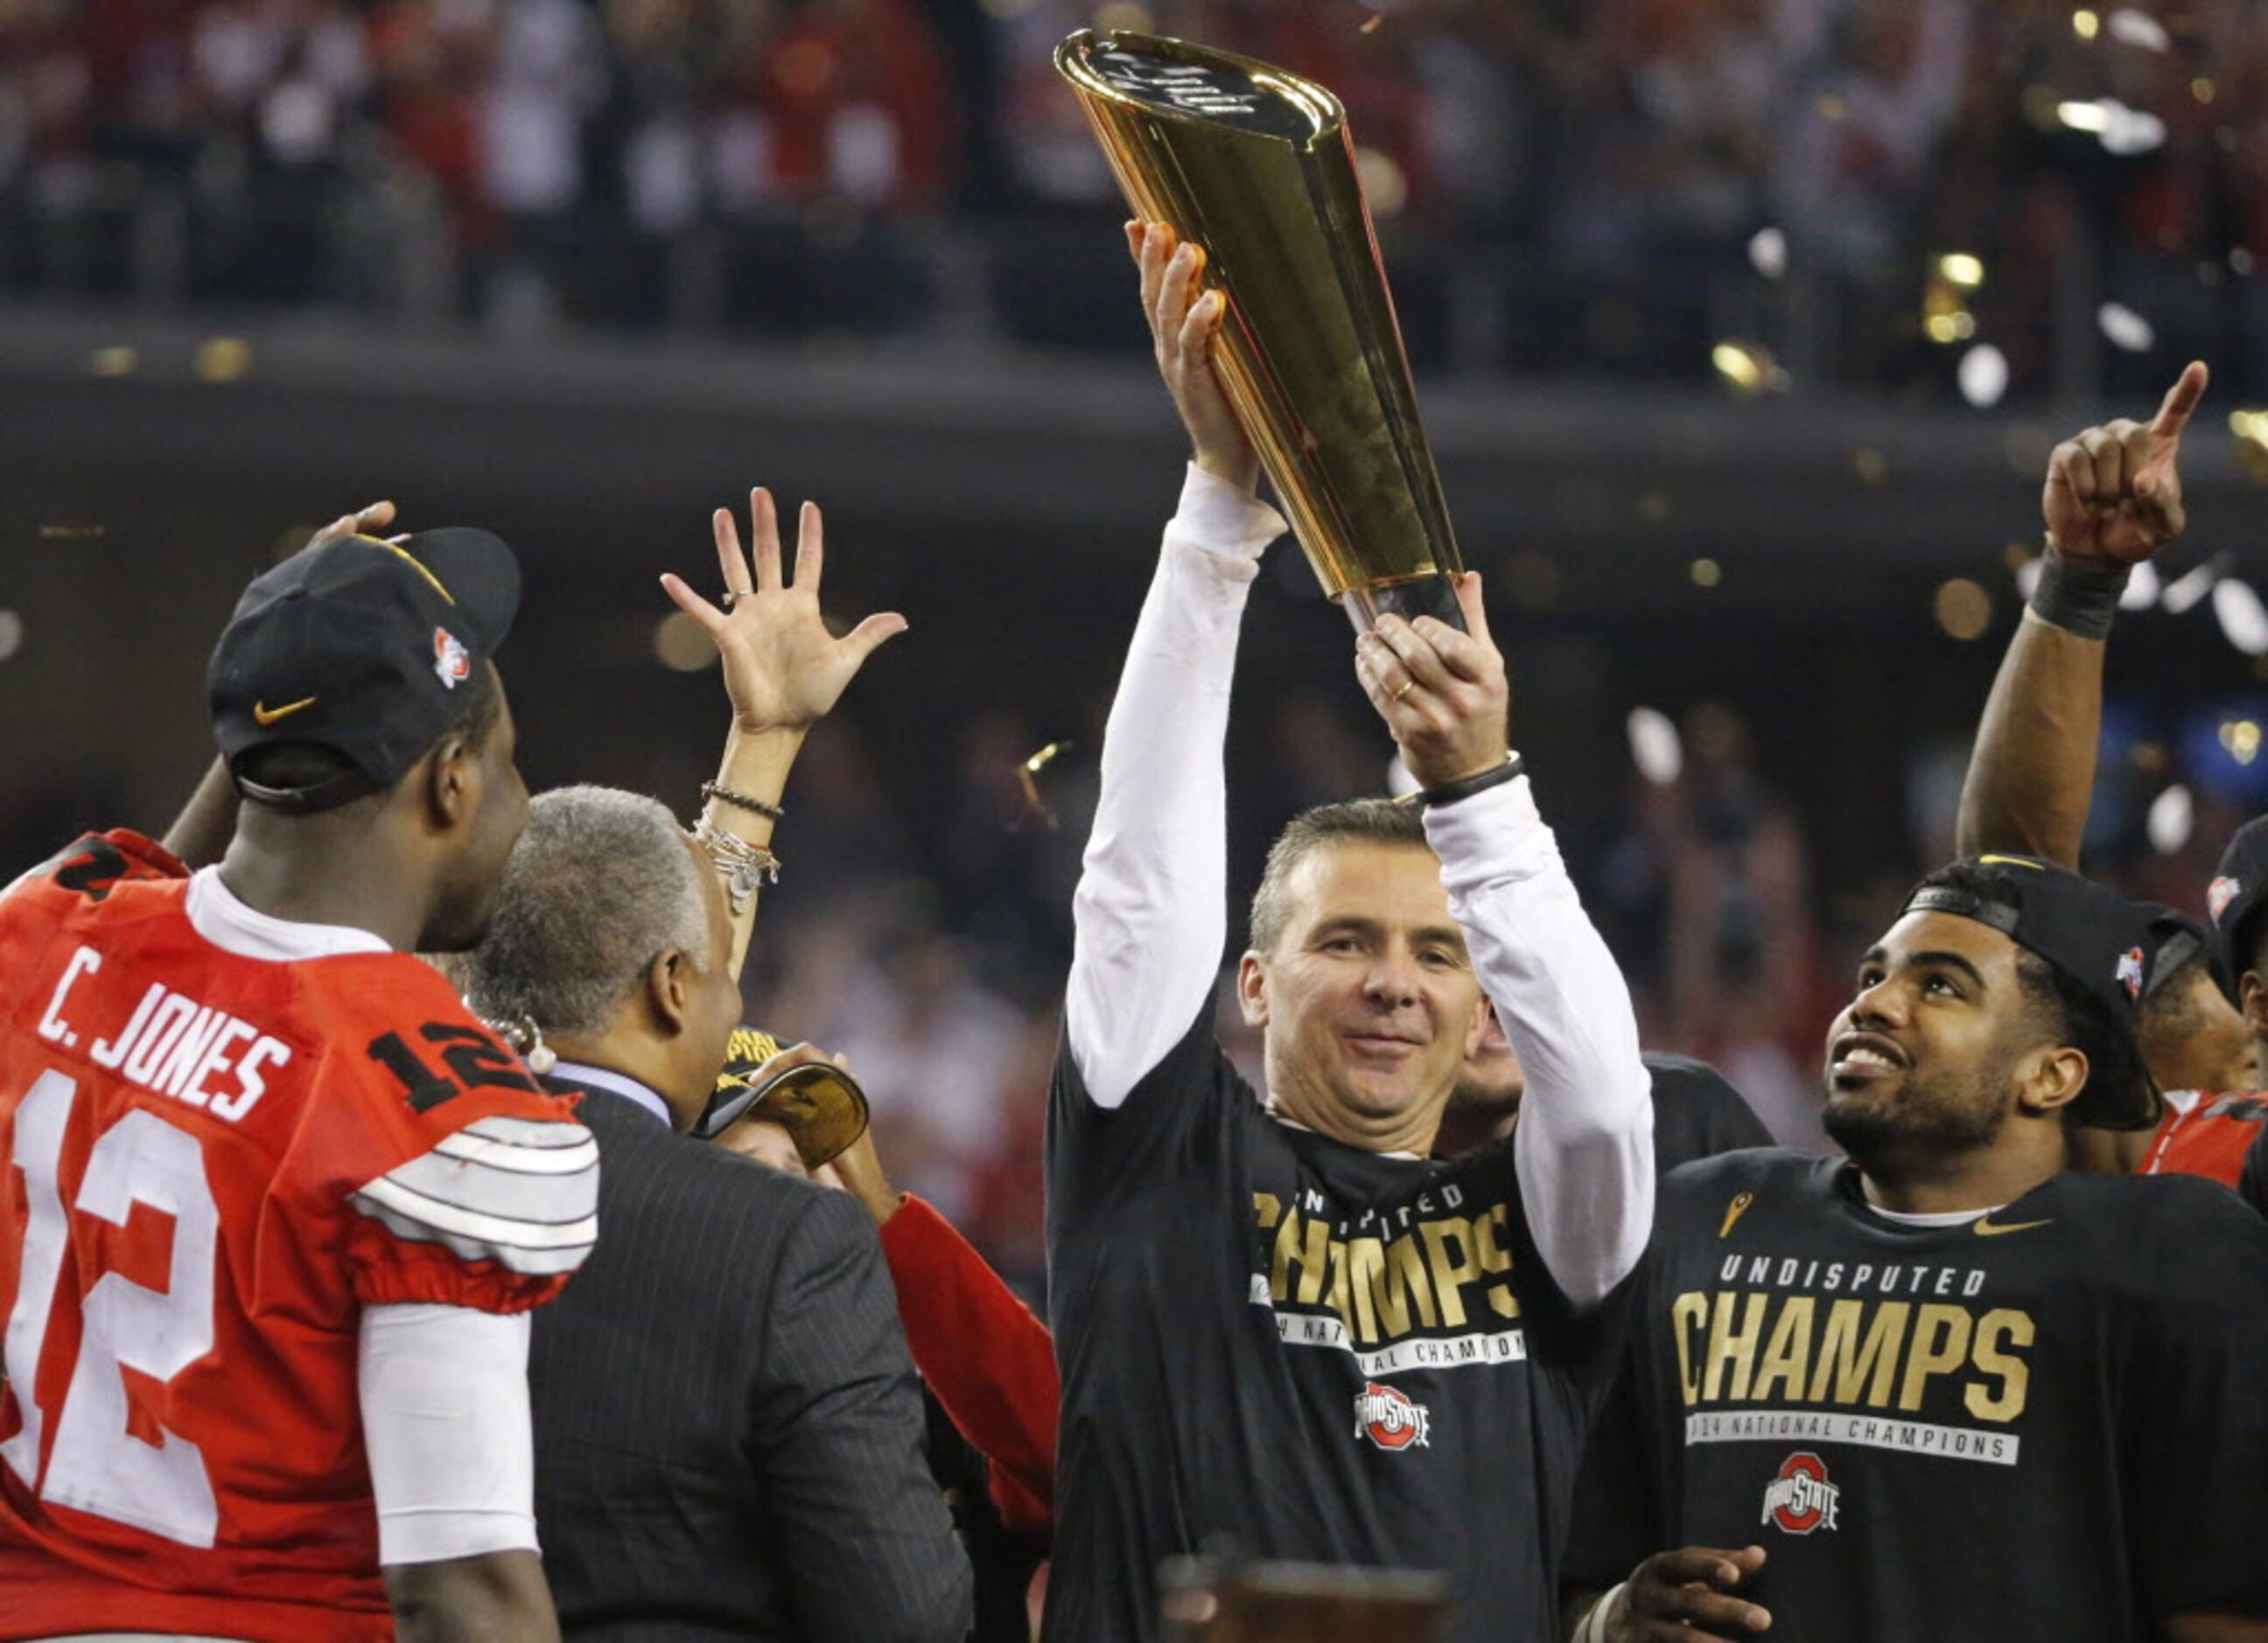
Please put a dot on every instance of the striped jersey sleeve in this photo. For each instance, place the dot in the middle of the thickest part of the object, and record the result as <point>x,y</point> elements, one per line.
<point>521,1192</point>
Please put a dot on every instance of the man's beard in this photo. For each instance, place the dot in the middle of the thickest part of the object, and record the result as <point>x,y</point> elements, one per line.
<point>1929,1118</point>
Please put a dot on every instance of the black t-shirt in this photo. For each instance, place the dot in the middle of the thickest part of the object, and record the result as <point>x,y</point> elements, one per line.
<point>2046,1424</point>
<point>1276,1343</point>
<point>1696,1113</point>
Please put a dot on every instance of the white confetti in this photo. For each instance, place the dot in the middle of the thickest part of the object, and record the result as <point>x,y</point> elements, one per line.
<point>2172,814</point>
<point>2142,588</point>
<point>1655,747</point>
<point>2126,328</point>
<point>1983,375</point>
<point>2244,621</point>
<point>1767,253</point>
<point>2130,27</point>
<point>2185,592</point>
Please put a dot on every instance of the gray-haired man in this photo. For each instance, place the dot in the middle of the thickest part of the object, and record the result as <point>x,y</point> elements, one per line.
<point>728,1431</point>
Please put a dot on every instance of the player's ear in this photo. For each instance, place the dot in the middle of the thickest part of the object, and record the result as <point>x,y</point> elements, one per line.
<point>2252,1000</point>
<point>451,783</point>
<point>2049,1078</point>
<point>1252,989</point>
<point>1484,1012</point>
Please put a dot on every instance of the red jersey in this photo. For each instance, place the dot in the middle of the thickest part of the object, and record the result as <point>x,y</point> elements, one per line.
<point>222,1135</point>
<point>2204,1135</point>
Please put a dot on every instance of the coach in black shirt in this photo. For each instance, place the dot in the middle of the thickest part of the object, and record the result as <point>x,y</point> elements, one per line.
<point>728,1429</point>
<point>1279,1323</point>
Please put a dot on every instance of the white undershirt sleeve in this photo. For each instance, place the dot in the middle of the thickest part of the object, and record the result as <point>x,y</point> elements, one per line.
<point>1584,1146</point>
<point>445,1417</point>
<point>1148,918</point>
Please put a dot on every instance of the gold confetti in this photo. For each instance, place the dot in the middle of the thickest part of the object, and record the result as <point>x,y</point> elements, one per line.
<point>1370,24</point>
<point>1027,776</point>
<point>113,362</point>
<point>1748,368</point>
<point>72,532</point>
<point>1705,572</point>
<point>1870,465</point>
<point>2251,428</point>
<point>222,360</point>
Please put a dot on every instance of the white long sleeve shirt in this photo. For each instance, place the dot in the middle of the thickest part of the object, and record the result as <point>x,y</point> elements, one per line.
<point>1149,915</point>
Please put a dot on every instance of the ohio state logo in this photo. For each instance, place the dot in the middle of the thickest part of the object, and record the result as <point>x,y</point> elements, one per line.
<point>1800,1498</point>
<point>1389,1418</point>
<point>2220,893</point>
<point>451,661</point>
<point>2130,971</point>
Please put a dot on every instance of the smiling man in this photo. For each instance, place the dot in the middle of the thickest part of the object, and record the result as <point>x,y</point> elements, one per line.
<point>1282,1327</point>
<point>1951,1345</point>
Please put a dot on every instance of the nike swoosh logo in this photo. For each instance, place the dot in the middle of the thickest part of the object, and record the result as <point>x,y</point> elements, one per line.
<point>1987,1229</point>
<point>263,714</point>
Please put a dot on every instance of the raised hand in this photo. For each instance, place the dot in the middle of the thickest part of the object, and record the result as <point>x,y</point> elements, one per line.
<point>2114,492</point>
<point>1183,320</point>
<point>783,668</point>
<point>1677,1597</point>
<point>1441,693</point>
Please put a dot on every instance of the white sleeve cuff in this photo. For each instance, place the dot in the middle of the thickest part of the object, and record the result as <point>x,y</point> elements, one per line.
<point>1223,520</point>
<point>445,1425</point>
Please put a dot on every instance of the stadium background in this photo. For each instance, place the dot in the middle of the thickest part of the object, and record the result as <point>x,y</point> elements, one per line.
<point>1743,328</point>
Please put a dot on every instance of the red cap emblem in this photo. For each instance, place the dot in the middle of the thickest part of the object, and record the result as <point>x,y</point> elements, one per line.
<point>1800,1499</point>
<point>1389,1418</point>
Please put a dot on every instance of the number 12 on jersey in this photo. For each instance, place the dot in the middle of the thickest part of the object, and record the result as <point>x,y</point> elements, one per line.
<point>96,1464</point>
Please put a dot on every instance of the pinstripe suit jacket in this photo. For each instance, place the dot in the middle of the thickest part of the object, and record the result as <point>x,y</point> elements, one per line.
<point>728,1431</point>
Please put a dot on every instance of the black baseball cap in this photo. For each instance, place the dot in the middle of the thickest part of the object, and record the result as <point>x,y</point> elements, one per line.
<point>2235,898</point>
<point>361,646</point>
<point>2093,935</point>
<point>2179,937</point>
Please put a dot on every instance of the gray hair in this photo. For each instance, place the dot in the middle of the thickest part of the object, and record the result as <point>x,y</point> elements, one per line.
<point>600,886</point>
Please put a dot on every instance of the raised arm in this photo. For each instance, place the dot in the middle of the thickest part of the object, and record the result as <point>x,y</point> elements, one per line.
<point>1149,919</point>
<point>2113,499</point>
<point>1584,1148</point>
<point>783,670</point>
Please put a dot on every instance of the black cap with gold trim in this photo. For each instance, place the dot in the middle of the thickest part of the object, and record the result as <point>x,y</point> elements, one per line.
<point>361,646</point>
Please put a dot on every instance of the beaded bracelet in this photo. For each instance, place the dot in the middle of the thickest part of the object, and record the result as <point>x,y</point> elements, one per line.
<point>711,790</point>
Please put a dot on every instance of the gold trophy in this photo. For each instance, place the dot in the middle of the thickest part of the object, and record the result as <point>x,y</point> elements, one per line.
<point>1255,164</point>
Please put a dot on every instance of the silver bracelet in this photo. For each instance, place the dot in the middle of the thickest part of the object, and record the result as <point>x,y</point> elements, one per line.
<point>745,867</point>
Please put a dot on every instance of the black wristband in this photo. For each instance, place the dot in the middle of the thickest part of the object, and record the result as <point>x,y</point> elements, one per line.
<point>2078,599</point>
<point>725,795</point>
<point>1466,786</point>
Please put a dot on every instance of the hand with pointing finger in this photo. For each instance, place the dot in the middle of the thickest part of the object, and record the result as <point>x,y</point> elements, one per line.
<point>2114,493</point>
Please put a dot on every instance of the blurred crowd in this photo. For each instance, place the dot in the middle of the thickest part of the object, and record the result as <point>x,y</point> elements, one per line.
<point>1563,185</point>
